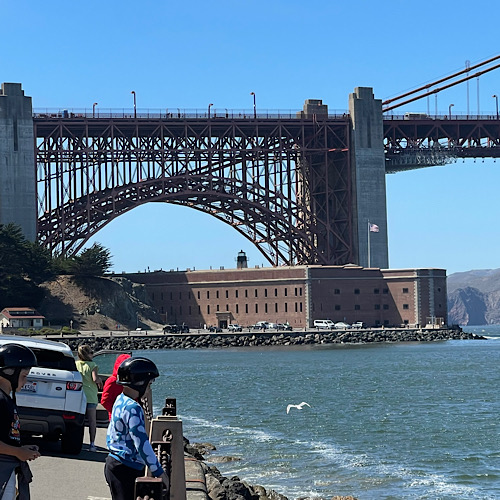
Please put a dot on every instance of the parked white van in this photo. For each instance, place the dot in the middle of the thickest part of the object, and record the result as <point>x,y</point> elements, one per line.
<point>324,323</point>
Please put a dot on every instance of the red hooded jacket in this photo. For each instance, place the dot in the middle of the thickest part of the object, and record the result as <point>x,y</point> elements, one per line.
<point>111,389</point>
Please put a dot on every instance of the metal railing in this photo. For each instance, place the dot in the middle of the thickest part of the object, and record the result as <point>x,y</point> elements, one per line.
<point>176,113</point>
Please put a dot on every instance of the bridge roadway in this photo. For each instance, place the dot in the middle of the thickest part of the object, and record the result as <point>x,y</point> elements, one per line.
<point>64,477</point>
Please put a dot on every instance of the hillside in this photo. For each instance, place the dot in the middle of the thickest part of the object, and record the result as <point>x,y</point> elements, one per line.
<point>98,303</point>
<point>474,297</point>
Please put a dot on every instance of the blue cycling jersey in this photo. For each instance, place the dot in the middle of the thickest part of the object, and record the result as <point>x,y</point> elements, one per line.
<point>126,438</point>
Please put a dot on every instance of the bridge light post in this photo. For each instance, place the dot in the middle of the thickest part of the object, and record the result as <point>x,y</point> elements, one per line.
<point>449,109</point>
<point>254,106</point>
<point>93,109</point>
<point>209,106</point>
<point>496,100</point>
<point>135,104</point>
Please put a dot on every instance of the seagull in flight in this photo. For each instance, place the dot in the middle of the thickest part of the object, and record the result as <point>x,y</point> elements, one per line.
<point>299,407</point>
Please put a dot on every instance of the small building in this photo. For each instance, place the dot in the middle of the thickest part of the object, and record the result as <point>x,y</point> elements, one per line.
<point>20,317</point>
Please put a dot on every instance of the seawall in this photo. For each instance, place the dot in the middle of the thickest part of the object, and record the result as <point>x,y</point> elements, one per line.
<point>124,341</point>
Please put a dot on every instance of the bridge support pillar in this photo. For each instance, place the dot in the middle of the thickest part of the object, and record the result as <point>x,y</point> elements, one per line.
<point>17,160</point>
<point>368,168</point>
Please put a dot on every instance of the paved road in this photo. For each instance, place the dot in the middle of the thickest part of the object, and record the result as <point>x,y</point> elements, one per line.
<point>68,477</point>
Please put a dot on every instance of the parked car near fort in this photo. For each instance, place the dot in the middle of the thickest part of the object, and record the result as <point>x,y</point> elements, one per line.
<point>342,326</point>
<point>358,325</point>
<point>234,328</point>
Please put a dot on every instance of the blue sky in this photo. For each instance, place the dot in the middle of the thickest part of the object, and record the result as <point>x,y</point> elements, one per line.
<point>188,54</point>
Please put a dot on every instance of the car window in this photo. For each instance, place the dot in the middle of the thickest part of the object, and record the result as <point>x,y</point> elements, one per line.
<point>54,359</point>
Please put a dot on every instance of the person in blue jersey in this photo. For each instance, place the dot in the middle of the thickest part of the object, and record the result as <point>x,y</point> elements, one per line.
<point>127,441</point>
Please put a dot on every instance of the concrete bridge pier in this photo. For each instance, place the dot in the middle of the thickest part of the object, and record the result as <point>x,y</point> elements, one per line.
<point>368,167</point>
<point>17,160</point>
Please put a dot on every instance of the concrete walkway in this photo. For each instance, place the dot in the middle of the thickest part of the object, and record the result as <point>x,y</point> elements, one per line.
<point>69,477</point>
<point>63,477</point>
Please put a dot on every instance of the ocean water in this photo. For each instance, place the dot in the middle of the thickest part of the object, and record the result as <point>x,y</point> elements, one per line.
<point>386,421</point>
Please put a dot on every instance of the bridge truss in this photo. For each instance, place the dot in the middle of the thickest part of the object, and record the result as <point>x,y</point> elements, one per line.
<point>283,184</point>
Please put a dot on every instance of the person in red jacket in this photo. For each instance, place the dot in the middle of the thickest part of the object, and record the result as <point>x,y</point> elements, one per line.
<point>111,389</point>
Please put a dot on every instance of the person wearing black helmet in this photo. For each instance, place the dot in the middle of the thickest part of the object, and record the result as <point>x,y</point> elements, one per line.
<point>129,448</point>
<point>15,363</point>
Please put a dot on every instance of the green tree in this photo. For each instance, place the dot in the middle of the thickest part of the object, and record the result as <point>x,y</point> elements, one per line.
<point>93,261</point>
<point>23,265</point>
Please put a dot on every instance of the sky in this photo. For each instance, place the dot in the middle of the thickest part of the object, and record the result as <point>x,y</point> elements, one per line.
<point>189,54</point>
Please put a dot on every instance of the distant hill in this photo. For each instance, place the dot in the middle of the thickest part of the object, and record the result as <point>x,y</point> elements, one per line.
<point>474,297</point>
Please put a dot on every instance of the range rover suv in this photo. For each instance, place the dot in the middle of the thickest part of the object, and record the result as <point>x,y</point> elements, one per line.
<point>52,402</point>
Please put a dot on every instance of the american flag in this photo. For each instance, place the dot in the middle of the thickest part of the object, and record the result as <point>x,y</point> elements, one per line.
<point>374,228</point>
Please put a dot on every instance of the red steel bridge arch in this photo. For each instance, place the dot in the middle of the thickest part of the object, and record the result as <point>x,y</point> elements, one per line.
<point>283,182</point>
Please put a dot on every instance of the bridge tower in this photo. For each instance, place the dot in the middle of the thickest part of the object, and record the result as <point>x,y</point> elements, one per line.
<point>368,167</point>
<point>17,160</point>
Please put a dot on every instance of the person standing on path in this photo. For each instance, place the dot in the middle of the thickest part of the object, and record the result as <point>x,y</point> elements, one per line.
<point>111,389</point>
<point>15,363</point>
<point>91,385</point>
<point>130,450</point>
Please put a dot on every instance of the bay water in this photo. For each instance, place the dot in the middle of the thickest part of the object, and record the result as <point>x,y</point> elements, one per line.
<point>385,421</point>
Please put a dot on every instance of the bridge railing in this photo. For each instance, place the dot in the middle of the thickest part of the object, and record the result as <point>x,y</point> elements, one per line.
<point>175,113</point>
<point>424,116</point>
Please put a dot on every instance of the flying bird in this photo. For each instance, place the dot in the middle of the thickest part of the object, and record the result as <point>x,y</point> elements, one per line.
<point>299,407</point>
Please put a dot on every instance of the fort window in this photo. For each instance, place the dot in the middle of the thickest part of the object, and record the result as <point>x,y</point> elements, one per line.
<point>236,293</point>
<point>296,292</point>
<point>208,295</point>
<point>180,310</point>
<point>162,311</point>
<point>153,296</point>
<point>385,290</point>
<point>275,307</point>
<point>199,309</point>
<point>376,290</point>
<point>171,296</point>
<point>296,307</point>
<point>300,306</point>
<point>337,291</point>
<point>189,295</point>
<point>256,293</point>
<point>198,294</point>
<point>246,308</point>
<point>180,295</point>
<point>286,292</point>
<point>405,321</point>
<point>386,321</point>
<point>377,307</point>
<point>246,293</point>
<point>286,307</point>
<point>439,288</point>
<point>256,308</point>
<point>217,307</point>
<point>405,290</point>
<point>275,292</point>
<point>265,307</point>
<point>161,295</point>
<point>265,292</point>
<point>300,291</point>
<point>356,291</point>
<point>386,307</point>
<point>406,306</point>
<point>337,307</point>
<point>227,307</point>
<point>357,307</point>
<point>237,309</point>
<point>217,294</point>
<point>171,311</point>
<point>208,309</point>
<point>227,294</point>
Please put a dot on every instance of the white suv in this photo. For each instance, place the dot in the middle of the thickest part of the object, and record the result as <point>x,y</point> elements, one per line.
<point>52,402</point>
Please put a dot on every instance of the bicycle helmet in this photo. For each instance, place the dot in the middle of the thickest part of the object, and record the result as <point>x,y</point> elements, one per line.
<point>136,373</point>
<point>14,358</point>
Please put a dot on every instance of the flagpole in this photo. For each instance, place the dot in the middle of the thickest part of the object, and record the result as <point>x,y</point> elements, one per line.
<point>369,259</point>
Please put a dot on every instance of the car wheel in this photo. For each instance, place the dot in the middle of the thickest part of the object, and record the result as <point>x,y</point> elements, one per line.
<point>72,439</point>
